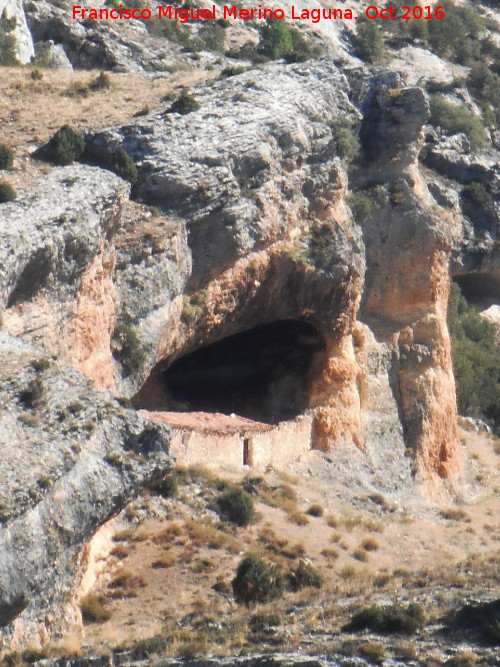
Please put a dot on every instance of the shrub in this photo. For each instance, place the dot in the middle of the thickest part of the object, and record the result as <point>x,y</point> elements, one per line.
<point>388,619</point>
<point>174,31</point>
<point>128,349</point>
<point>168,487</point>
<point>279,40</point>
<point>458,36</point>
<point>101,82</point>
<point>346,141</point>
<point>315,510</point>
<point>264,622</point>
<point>476,360</point>
<point>93,609</point>
<point>122,164</point>
<point>275,39</point>
<point>236,505</point>
<point>232,70</point>
<point>185,103</point>
<point>370,42</point>
<point>455,118</point>
<point>361,206</point>
<point>477,194</point>
<point>370,544</point>
<point>484,84</point>
<point>483,618</point>
<point>257,581</point>
<point>303,576</point>
<point>66,146</point>
<point>213,36</point>
<point>6,157</point>
<point>7,192</point>
<point>8,55</point>
<point>41,364</point>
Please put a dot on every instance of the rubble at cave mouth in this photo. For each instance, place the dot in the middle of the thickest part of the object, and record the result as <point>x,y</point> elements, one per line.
<point>261,374</point>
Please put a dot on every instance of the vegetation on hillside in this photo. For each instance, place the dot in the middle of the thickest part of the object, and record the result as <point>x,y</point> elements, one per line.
<point>476,360</point>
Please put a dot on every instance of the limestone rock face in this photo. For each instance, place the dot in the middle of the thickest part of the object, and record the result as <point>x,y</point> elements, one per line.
<point>13,9</point>
<point>126,48</point>
<point>95,457</point>
<point>57,260</point>
<point>255,179</point>
<point>252,221</point>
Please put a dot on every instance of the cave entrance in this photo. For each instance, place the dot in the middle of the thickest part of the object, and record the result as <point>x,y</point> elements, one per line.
<point>261,374</point>
<point>481,289</point>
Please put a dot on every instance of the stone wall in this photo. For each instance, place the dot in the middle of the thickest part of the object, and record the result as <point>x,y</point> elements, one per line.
<point>220,443</point>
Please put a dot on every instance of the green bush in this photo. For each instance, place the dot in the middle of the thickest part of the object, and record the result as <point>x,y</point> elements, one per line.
<point>7,192</point>
<point>275,39</point>
<point>346,141</point>
<point>279,40</point>
<point>168,487</point>
<point>388,619</point>
<point>174,31</point>
<point>6,157</point>
<point>66,146</point>
<point>257,581</point>
<point>304,575</point>
<point>369,40</point>
<point>484,85</point>
<point>128,349</point>
<point>455,118</point>
<point>477,194</point>
<point>476,360</point>
<point>184,104</point>
<point>361,205</point>
<point>457,36</point>
<point>236,505</point>
<point>8,55</point>
<point>213,36</point>
<point>122,164</point>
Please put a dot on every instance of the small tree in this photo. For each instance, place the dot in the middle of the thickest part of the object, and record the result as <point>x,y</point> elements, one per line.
<point>275,39</point>
<point>236,505</point>
<point>7,192</point>
<point>6,157</point>
<point>256,581</point>
<point>370,41</point>
<point>66,146</point>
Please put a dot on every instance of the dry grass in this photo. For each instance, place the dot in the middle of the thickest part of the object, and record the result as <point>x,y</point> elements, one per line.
<point>315,510</point>
<point>370,544</point>
<point>455,514</point>
<point>360,554</point>
<point>126,584</point>
<point>121,551</point>
<point>297,517</point>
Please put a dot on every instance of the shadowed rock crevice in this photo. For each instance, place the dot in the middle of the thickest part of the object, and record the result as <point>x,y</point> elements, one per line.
<point>261,374</point>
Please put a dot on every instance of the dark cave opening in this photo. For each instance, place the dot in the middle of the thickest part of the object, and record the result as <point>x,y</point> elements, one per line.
<point>482,289</point>
<point>261,374</point>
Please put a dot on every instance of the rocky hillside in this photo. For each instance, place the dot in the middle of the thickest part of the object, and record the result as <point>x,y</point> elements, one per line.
<point>237,217</point>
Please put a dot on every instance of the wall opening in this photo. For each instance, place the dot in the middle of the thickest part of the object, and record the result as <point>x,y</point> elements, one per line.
<point>247,452</point>
<point>261,374</point>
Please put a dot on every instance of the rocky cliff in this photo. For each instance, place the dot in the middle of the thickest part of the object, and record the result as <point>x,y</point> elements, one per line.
<point>260,273</point>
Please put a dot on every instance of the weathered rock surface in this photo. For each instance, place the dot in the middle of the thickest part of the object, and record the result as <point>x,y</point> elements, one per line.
<point>71,458</point>
<point>254,226</point>
<point>125,47</point>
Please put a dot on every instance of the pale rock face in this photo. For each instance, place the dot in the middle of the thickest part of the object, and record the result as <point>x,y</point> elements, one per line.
<point>24,41</point>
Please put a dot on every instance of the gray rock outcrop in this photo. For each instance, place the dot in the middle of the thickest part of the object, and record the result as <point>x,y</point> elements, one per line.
<point>95,457</point>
